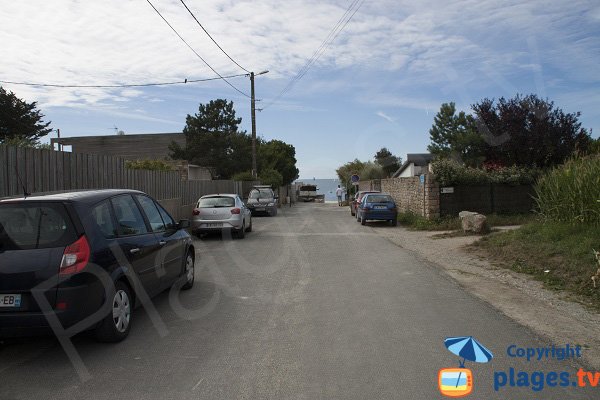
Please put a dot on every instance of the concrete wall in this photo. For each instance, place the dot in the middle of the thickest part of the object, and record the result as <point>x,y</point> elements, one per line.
<point>130,147</point>
<point>198,173</point>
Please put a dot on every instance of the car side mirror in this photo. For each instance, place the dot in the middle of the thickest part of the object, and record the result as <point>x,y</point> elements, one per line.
<point>183,224</point>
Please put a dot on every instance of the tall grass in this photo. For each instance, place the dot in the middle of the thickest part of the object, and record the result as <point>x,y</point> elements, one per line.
<point>571,192</point>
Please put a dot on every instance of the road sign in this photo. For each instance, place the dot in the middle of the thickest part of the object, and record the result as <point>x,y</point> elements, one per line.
<point>355,178</point>
<point>422,179</point>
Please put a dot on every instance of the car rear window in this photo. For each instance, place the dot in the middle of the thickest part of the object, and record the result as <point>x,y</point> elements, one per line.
<point>217,201</point>
<point>378,198</point>
<point>261,194</point>
<point>33,225</point>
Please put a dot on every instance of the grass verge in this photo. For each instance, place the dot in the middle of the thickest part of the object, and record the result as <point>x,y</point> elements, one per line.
<point>417,222</point>
<point>558,254</point>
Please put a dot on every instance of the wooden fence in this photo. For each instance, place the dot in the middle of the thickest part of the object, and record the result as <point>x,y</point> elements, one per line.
<point>39,171</point>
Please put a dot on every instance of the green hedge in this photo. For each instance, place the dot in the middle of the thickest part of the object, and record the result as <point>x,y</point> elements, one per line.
<point>449,173</point>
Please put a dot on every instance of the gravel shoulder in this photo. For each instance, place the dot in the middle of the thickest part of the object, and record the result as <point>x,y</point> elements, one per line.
<point>551,315</point>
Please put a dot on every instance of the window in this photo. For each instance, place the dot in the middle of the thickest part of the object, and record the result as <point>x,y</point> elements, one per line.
<point>261,194</point>
<point>35,226</point>
<point>103,218</point>
<point>128,216</point>
<point>169,221</point>
<point>378,199</point>
<point>216,201</point>
<point>156,221</point>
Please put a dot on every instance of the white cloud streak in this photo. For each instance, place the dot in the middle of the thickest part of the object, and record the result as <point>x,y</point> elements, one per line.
<point>124,41</point>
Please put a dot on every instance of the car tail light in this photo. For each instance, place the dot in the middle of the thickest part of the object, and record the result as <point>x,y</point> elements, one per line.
<point>195,211</point>
<point>236,211</point>
<point>75,257</point>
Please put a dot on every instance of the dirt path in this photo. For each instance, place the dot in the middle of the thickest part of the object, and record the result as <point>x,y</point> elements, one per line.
<point>549,314</point>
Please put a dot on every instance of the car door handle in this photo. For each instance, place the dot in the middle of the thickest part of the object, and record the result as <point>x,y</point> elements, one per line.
<point>162,242</point>
<point>134,250</point>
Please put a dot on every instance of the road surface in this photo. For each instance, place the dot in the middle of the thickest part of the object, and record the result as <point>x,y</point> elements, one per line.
<point>311,305</point>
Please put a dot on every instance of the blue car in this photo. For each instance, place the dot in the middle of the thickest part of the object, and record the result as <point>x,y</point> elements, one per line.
<point>377,206</point>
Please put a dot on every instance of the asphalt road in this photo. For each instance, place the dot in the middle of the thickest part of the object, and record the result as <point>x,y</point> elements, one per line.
<point>311,305</point>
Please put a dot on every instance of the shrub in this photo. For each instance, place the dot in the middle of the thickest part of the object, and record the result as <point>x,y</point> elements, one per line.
<point>152,165</point>
<point>449,173</point>
<point>571,192</point>
<point>271,177</point>
<point>243,176</point>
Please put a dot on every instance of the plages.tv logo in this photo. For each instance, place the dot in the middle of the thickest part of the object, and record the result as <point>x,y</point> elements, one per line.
<point>458,382</point>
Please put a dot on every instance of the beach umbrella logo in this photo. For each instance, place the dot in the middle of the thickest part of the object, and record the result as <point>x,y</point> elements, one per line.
<point>458,382</point>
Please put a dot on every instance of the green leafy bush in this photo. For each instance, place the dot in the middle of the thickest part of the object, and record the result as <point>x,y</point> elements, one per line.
<point>449,173</point>
<point>243,176</point>
<point>271,177</point>
<point>152,165</point>
<point>571,192</point>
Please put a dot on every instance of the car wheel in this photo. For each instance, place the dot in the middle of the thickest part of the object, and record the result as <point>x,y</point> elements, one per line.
<point>242,232</point>
<point>249,228</point>
<point>357,217</point>
<point>352,212</point>
<point>395,222</point>
<point>363,221</point>
<point>116,326</point>
<point>189,272</point>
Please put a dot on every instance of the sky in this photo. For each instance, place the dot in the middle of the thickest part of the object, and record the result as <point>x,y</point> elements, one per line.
<point>379,81</point>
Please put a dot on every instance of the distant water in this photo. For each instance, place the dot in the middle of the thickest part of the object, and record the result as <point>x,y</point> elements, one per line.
<point>325,186</point>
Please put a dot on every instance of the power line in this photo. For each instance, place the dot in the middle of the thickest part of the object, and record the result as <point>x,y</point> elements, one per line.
<point>191,48</point>
<point>124,85</point>
<point>211,38</point>
<point>333,34</point>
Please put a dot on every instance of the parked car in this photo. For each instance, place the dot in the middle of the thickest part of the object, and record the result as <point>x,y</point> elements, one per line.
<point>377,206</point>
<point>215,212</point>
<point>358,198</point>
<point>55,249</point>
<point>262,199</point>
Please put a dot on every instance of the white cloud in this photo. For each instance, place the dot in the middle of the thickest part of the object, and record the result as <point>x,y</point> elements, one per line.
<point>385,116</point>
<point>119,41</point>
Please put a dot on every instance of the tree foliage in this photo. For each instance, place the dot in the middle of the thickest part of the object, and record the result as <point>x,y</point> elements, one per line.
<point>523,131</point>
<point>213,139</point>
<point>347,170</point>
<point>278,156</point>
<point>387,161</point>
<point>529,131</point>
<point>271,177</point>
<point>455,136</point>
<point>20,122</point>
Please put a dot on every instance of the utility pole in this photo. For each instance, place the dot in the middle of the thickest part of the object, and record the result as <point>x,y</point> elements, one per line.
<point>253,114</point>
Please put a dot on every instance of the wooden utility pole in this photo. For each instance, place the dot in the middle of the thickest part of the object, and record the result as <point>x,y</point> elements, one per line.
<point>253,114</point>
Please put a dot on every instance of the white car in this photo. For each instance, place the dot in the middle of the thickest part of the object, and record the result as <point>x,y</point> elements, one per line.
<point>218,212</point>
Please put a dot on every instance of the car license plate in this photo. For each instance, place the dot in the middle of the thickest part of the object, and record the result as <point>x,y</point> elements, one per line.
<point>10,300</point>
<point>380,207</point>
<point>260,209</point>
<point>215,225</point>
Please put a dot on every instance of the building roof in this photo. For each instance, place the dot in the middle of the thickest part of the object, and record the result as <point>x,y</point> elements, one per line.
<point>418,159</point>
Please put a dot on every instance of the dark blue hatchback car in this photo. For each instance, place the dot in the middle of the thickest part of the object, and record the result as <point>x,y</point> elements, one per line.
<point>377,206</point>
<point>81,260</point>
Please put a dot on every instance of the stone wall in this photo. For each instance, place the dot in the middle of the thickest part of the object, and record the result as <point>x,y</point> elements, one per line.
<point>426,199</point>
<point>410,194</point>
